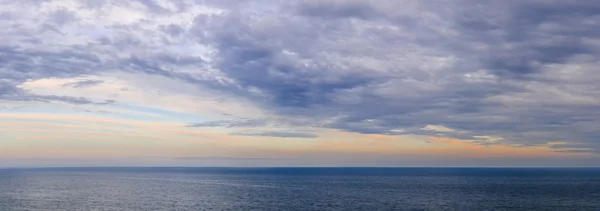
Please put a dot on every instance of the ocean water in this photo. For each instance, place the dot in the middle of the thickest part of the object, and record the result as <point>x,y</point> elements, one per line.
<point>300,189</point>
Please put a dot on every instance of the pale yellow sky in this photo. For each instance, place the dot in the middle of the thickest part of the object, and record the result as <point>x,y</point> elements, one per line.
<point>96,140</point>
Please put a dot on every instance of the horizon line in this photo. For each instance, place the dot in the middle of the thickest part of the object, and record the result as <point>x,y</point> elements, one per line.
<point>266,167</point>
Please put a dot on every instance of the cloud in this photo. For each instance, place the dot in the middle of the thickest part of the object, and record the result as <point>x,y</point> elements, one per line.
<point>509,72</point>
<point>230,124</point>
<point>84,83</point>
<point>67,99</point>
<point>587,151</point>
<point>438,128</point>
<point>279,134</point>
<point>224,158</point>
<point>81,137</point>
<point>11,92</point>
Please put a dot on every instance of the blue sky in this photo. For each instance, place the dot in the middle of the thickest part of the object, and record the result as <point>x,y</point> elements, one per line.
<point>334,82</point>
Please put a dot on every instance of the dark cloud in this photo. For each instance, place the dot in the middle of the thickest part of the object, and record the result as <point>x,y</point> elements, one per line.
<point>531,34</point>
<point>8,89</point>
<point>494,66</point>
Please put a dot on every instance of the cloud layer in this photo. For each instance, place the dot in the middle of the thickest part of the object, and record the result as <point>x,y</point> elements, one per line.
<point>519,73</point>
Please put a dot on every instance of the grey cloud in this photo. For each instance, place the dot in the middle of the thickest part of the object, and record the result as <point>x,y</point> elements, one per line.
<point>7,88</point>
<point>594,151</point>
<point>63,16</point>
<point>223,158</point>
<point>98,111</point>
<point>21,64</point>
<point>173,29</point>
<point>498,55</point>
<point>74,100</point>
<point>538,33</point>
<point>66,99</point>
<point>572,146</point>
<point>10,92</point>
<point>279,134</point>
<point>84,83</point>
<point>253,60</point>
<point>256,123</point>
<point>338,9</point>
<point>239,123</point>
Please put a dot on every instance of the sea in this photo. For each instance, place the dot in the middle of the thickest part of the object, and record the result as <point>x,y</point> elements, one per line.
<point>371,189</point>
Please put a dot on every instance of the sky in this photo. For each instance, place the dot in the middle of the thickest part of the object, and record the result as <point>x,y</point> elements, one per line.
<point>299,83</point>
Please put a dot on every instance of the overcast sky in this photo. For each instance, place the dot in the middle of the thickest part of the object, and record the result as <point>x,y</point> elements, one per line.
<point>317,83</point>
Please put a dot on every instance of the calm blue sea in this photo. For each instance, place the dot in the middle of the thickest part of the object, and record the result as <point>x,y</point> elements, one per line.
<point>300,189</point>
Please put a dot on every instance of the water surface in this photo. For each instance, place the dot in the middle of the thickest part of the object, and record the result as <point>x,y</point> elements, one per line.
<point>300,189</point>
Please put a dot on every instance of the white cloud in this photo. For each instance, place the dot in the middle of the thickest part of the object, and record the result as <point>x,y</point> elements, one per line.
<point>150,91</point>
<point>438,128</point>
